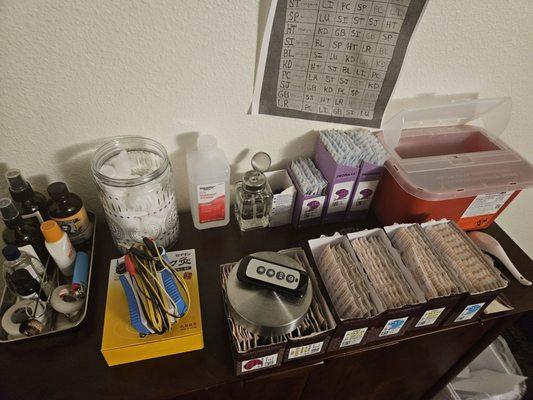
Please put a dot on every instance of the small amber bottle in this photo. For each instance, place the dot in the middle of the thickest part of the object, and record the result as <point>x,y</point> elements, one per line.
<point>66,208</point>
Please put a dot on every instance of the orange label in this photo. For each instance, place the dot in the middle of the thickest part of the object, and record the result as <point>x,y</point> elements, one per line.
<point>477,222</point>
<point>77,226</point>
<point>482,210</point>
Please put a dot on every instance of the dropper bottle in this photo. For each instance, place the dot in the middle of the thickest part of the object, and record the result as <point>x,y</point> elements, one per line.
<point>31,204</point>
<point>20,233</point>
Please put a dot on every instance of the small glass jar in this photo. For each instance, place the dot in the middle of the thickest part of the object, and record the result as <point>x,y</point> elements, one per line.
<point>134,180</point>
<point>253,201</point>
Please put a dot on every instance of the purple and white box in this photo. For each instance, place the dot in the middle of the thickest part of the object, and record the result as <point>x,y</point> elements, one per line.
<point>341,180</point>
<point>365,188</point>
<point>307,208</point>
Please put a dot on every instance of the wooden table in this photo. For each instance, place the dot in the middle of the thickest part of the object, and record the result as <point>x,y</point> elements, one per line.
<point>70,365</point>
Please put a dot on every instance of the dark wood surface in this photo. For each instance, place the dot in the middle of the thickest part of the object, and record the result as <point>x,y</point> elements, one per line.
<point>70,365</point>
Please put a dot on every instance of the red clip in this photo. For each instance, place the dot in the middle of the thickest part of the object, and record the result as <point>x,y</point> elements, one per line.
<point>130,265</point>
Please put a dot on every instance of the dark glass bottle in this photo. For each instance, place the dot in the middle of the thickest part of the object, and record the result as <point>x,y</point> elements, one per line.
<point>32,205</point>
<point>66,208</point>
<point>20,233</point>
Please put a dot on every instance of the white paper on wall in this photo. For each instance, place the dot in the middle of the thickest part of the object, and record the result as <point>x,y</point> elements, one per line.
<point>333,60</point>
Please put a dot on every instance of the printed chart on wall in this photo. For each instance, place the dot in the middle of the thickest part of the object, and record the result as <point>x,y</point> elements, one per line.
<point>333,60</point>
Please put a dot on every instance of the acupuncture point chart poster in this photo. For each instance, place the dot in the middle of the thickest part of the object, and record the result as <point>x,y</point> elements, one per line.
<point>333,60</point>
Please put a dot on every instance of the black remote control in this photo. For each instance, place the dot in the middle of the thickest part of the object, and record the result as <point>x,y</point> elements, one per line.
<point>277,277</point>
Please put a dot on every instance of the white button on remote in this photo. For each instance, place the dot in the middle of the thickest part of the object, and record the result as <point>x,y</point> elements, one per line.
<point>273,273</point>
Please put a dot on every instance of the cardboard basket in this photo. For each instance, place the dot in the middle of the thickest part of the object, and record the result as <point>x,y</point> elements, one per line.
<point>437,309</point>
<point>259,358</point>
<point>350,332</point>
<point>292,348</point>
<point>400,320</point>
<point>472,304</point>
<point>317,343</point>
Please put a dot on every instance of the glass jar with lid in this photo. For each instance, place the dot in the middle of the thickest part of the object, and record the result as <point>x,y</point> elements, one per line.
<point>253,196</point>
<point>134,180</point>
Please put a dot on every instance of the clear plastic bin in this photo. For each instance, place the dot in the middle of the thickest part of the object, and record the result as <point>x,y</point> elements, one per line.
<point>447,162</point>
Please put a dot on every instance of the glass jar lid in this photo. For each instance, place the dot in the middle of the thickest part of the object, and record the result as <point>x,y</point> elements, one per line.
<point>254,181</point>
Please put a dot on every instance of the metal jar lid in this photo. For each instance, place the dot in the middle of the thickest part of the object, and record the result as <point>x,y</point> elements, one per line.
<point>254,181</point>
<point>263,311</point>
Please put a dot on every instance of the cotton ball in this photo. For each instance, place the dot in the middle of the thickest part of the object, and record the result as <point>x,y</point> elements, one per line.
<point>108,170</point>
<point>121,163</point>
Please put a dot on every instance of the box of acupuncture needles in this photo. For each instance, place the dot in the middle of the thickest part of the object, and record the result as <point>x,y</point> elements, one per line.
<point>121,343</point>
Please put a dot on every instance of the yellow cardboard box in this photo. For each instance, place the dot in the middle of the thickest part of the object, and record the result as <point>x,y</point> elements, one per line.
<point>121,343</point>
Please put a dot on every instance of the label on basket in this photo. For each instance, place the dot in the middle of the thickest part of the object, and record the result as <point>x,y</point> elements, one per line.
<point>469,312</point>
<point>430,317</point>
<point>307,350</point>
<point>312,208</point>
<point>340,196</point>
<point>364,193</point>
<point>355,336</point>
<point>393,326</point>
<point>259,362</point>
<point>482,208</point>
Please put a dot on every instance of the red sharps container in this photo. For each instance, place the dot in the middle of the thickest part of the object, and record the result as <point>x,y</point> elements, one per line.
<point>448,162</point>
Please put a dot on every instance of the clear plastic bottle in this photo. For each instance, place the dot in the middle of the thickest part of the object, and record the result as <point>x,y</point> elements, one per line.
<point>23,273</point>
<point>209,191</point>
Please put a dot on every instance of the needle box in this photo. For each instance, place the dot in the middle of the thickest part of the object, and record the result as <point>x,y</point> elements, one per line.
<point>122,344</point>
<point>448,162</point>
<point>307,208</point>
<point>284,195</point>
<point>341,180</point>
<point>364,190</point>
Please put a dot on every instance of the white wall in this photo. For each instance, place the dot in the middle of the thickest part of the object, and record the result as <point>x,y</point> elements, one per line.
<point>73,73</point>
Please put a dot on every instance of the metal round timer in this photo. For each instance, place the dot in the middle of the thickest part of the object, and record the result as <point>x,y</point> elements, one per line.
<point>264,311</point>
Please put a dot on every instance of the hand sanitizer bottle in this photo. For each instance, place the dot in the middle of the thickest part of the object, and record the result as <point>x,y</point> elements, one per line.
<point>209,172</point>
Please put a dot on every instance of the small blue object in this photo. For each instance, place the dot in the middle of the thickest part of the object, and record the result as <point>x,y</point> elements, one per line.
<point>172,289</point>
<point>81,269</point>
<point>135,313</point>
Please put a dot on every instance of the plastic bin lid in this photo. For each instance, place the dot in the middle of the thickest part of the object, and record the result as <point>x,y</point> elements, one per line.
<point>493,113</point>
<point>453,151</point>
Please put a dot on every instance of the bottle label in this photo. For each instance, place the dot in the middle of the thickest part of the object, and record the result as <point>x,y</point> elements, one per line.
<point>77,226</point>
<point>35,218</point>
<point>29,250</point>
<point>211,202</point>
